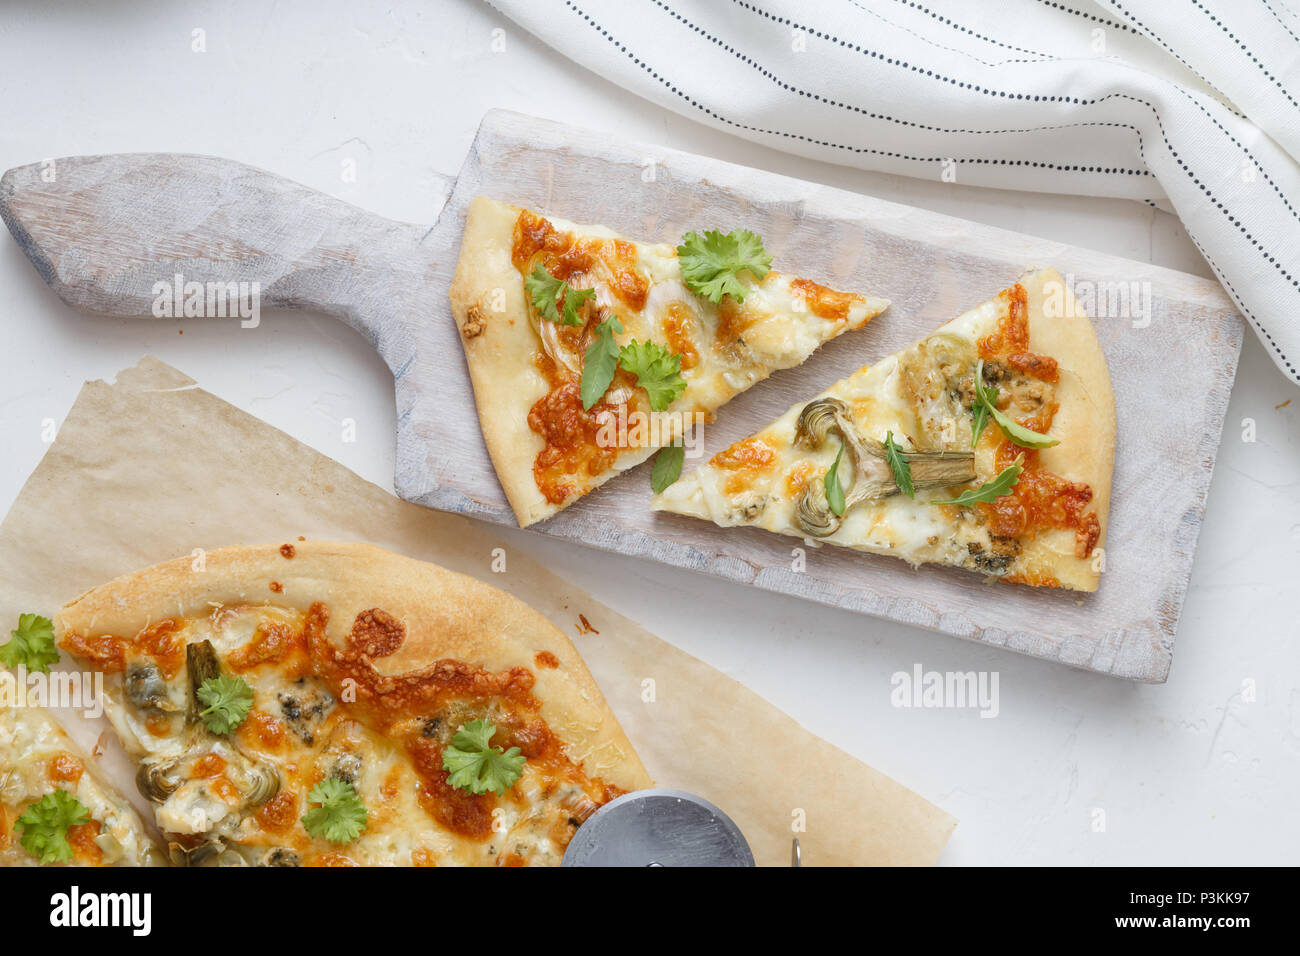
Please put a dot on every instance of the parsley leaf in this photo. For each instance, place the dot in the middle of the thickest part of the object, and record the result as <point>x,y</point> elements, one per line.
<point>835,490</point>
<point>600,362</point>
<point>341,816</point>
<point>1018,433</point>
<point>657,370</point>
<point>990,490</point>
<point>667,467</point>
<point>902,470</point>
<point>474,765</point>
<point>45,826</point>
<point>228,701</point>
<point>545,290</point>
<point>32,644</point>
<point>712,263</point>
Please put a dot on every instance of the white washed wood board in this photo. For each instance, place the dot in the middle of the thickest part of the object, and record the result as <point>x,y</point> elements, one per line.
<point>115,225</point>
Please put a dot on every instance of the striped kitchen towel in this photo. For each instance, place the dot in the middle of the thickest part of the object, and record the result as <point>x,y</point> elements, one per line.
<point>1193,104</point>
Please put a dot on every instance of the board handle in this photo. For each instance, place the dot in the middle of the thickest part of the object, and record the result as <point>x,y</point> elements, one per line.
<point>116,234</point>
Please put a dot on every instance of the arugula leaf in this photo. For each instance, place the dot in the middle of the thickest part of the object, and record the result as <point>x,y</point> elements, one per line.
<point>45,826</point>
<point>900,466</point>
<point>657,370</point>
<point>990,490</point>
<point>1019,434</point>
<point>712,263</point>
<point>986,397</point>
<point>341,816</point>
<point>474,765</point>
<point>544,289</point>
<point>228,698</point>
<point>835,490</point>
<point>32,644</point>
<point>600,362</point>
<point>667,467</point>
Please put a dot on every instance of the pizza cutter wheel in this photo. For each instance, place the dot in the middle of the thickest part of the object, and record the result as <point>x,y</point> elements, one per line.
<point>658,827</point>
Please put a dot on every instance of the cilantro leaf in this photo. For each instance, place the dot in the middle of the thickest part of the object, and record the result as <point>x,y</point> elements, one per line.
<point>32,644</point>
<point>45,826</point>
<point>990,490</point>
<point>1018,433</point>
<point>900,466</point>
<point>228,701</point>
<point>341,816</point>
<point>835,490</point>
<point>667,467</point>
<point>657,370</point>
<point>474,765</point>
<point>545,290</point>
<point>712,263</point>
<point>600,362</point>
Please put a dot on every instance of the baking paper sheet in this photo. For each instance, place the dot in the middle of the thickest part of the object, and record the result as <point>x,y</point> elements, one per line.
<point>151,467</point>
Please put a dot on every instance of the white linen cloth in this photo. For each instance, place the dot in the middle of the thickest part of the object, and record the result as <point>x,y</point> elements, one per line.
<point>1196,102</point>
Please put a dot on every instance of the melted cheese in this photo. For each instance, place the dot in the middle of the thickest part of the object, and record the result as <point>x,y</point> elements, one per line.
<point>907,394</point>
<point>781,321</point>
<point>211,799</point>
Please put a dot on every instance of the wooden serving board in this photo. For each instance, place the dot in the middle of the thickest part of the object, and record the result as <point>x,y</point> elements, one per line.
<point>107,228</point>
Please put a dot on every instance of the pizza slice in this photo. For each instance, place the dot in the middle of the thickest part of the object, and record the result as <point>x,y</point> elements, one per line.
<point>588,351</point>
<point>55,806</point>
<point>339,705</point>
<point>987,445</point>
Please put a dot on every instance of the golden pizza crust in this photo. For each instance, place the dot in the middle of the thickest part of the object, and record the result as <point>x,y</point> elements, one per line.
<point>445,614</point>
<point>1084,423</point>
<point>487,301</point>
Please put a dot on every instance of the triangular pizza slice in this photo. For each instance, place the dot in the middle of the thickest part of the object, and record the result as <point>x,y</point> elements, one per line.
<point>588,351</point>
<point>987,445</point>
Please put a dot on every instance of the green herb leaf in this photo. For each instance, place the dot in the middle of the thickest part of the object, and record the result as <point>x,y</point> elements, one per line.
<point>32,645</point>
<point>990,490</point>
<point>228,701</point>
<point>986,397</point>
<point>1021,435</point>
<point>600,362</point>
<point>341,816</point>
<point>712,263</point>
<point>899,465</point>
<point>546,291</point>
<point>45,826</point>
<point>657,370</point>
<point>835,490</point>
<point>667,467</point>
<point>473,764</point>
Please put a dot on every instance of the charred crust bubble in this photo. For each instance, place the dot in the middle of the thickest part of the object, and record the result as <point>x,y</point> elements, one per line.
<point>287,550</point>
<point>376,633</point>
<point>475,322</point>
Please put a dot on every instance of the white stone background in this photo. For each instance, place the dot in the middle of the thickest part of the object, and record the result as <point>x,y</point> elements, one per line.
<point>1192,772</point>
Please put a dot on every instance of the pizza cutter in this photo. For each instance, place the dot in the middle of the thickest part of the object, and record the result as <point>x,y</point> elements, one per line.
<point>658,827</point>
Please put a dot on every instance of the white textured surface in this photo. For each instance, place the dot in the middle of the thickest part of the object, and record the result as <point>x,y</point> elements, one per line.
<point>1189,772</point>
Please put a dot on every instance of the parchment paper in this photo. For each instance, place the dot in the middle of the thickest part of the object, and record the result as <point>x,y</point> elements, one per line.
<point>152,467</point>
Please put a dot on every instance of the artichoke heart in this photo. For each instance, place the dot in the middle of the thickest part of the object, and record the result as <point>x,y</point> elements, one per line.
<point>873,478</point>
